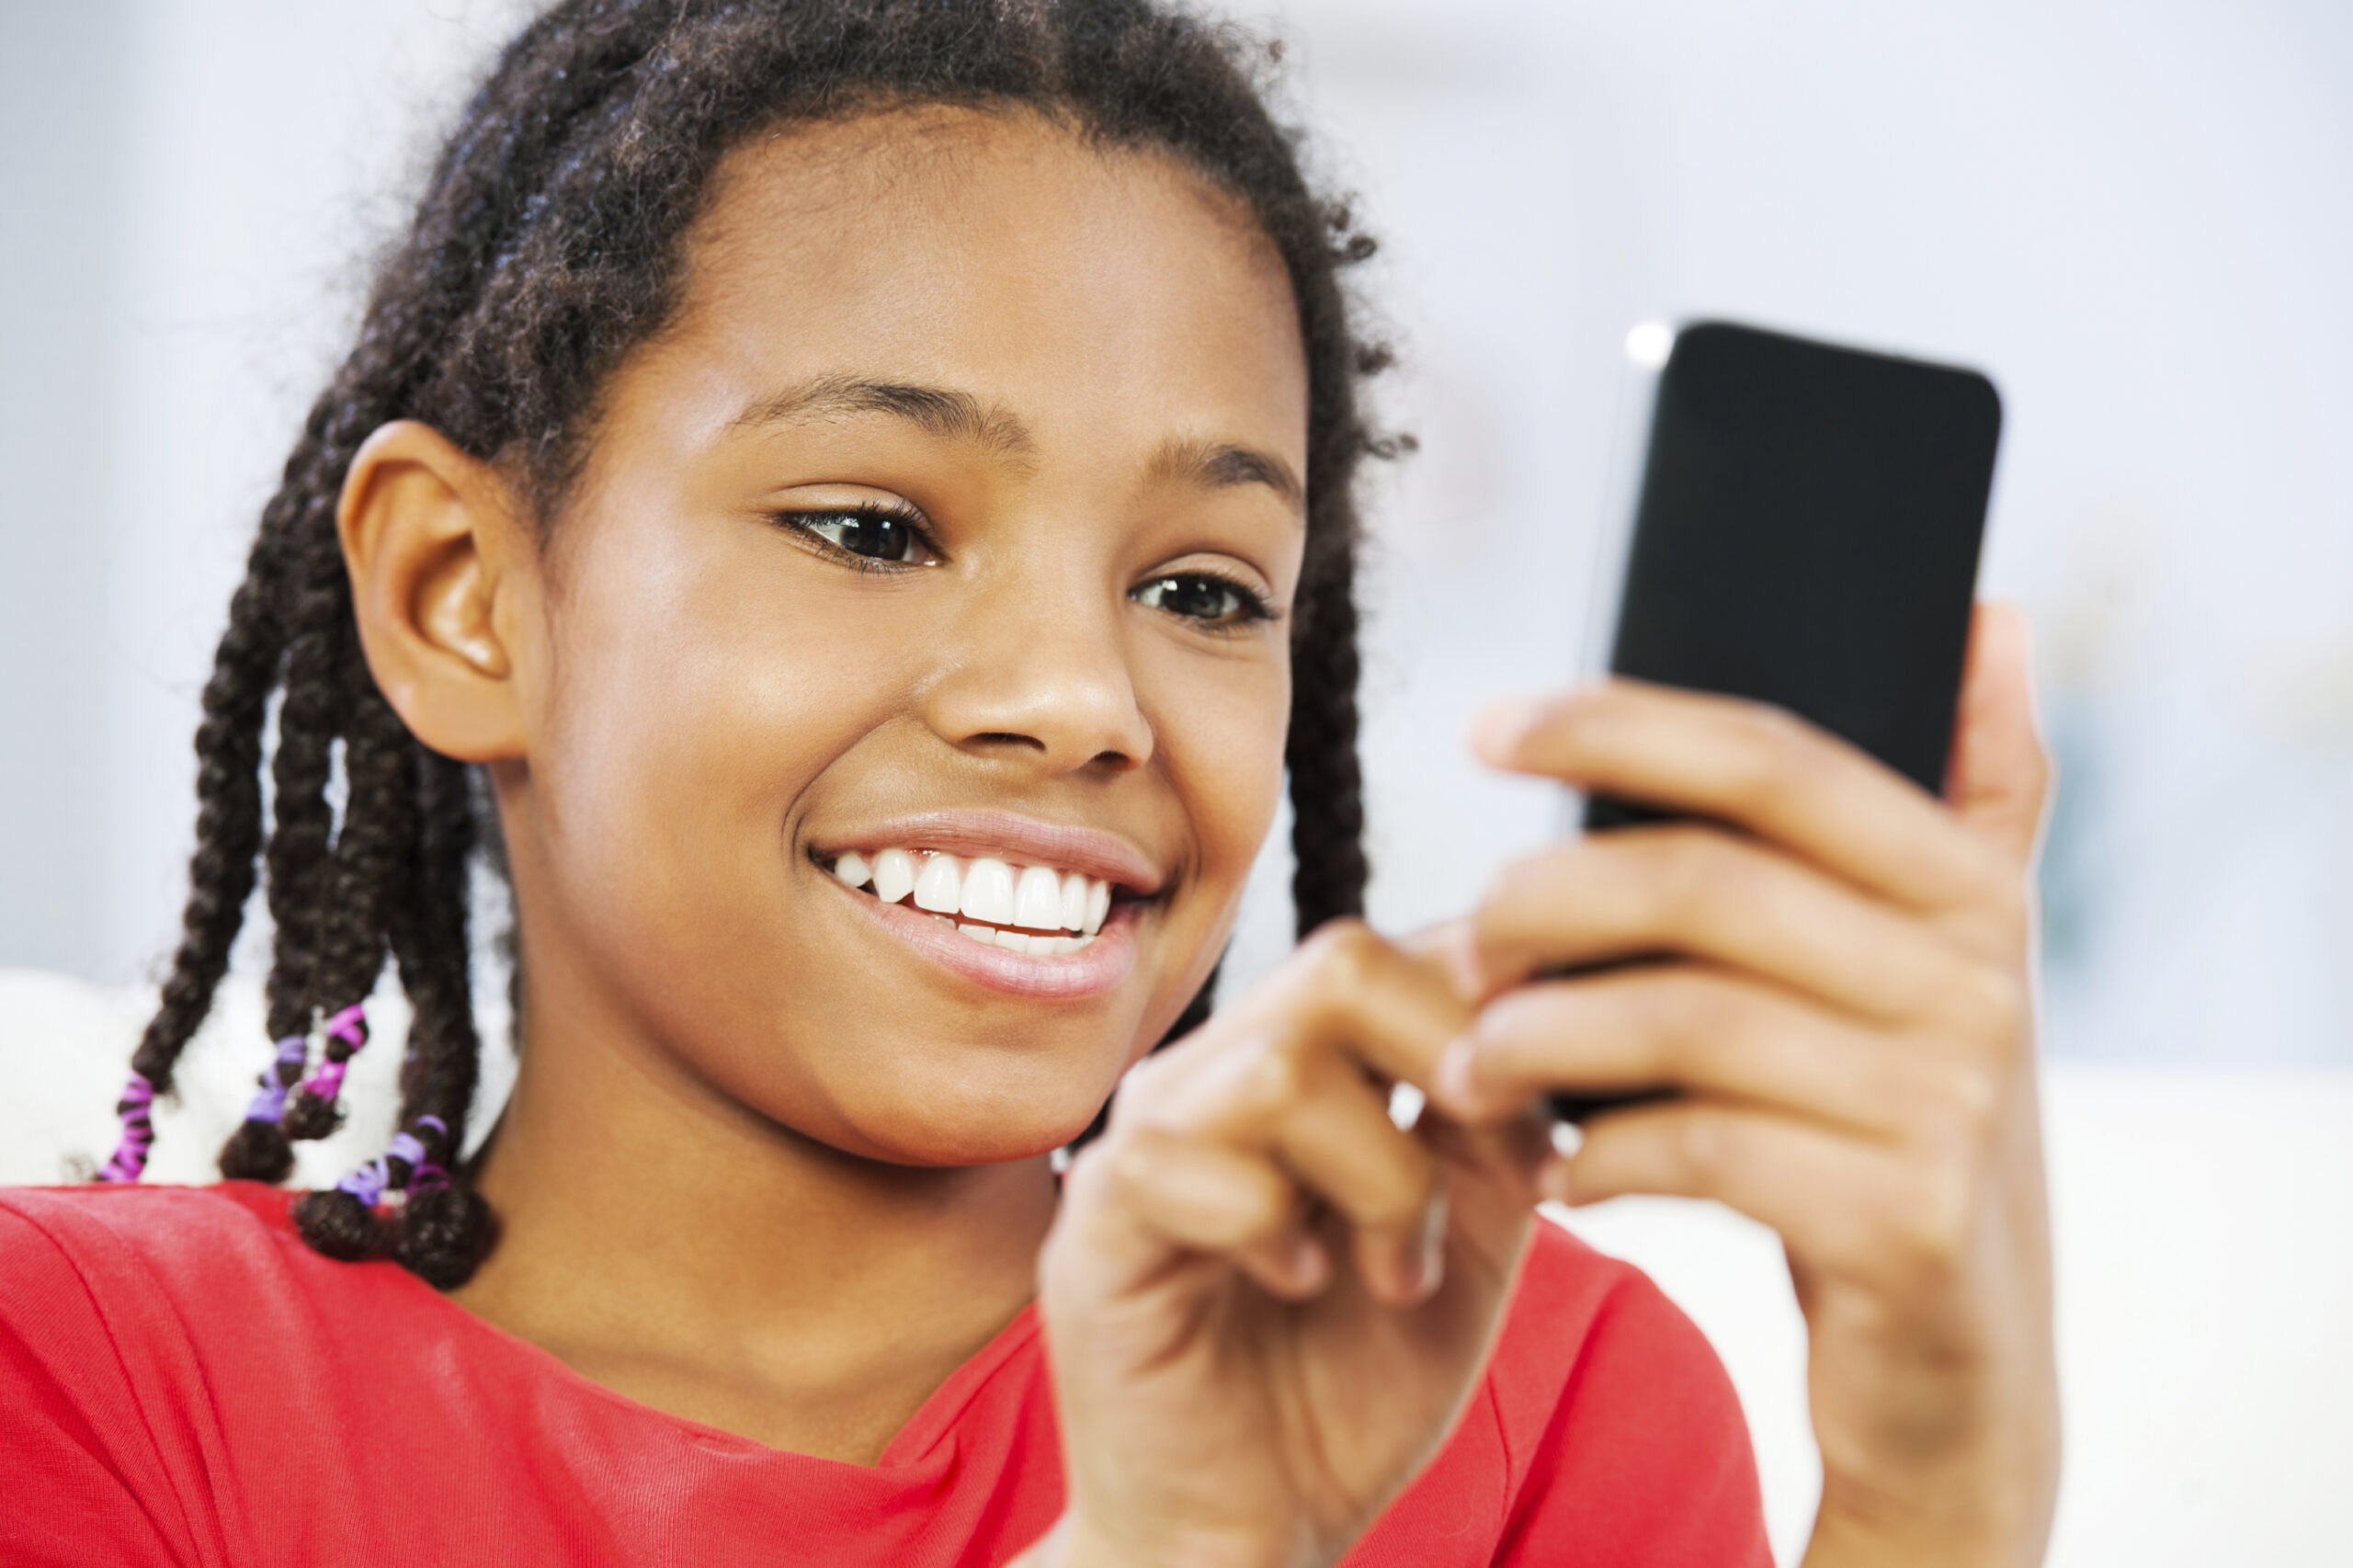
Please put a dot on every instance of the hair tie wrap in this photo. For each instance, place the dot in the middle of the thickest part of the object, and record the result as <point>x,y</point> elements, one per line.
<point>129,1161</point>
<point>367,1183</point>
<point>270,1104</point>
<point>350,1027</point>
<point>427,1177</point>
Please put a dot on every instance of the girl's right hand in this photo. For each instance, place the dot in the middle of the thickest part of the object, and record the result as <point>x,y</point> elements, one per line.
<point>1266,1303</point>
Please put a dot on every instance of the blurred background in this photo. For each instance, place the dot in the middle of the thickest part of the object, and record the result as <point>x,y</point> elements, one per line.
<point>2137,218</point>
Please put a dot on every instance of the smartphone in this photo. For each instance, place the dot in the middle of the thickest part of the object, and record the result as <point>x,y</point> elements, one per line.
<point>1806,533</point>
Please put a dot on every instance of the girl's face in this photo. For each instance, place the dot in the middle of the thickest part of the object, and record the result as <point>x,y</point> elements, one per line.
<point>958,513</point>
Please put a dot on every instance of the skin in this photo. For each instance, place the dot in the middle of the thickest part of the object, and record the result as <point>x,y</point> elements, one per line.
<point>768,1168</point>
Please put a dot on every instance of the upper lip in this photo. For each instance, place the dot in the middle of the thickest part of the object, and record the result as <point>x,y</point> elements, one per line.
<point>1029,841</point>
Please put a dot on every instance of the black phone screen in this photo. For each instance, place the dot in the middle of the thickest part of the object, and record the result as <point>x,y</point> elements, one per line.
<point>1807,535</point>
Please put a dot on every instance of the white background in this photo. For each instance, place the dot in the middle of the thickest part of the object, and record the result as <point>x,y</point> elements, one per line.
<point>2137,217</point>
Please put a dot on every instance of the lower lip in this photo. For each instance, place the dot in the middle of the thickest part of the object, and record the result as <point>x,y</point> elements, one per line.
<point>1095,968</point>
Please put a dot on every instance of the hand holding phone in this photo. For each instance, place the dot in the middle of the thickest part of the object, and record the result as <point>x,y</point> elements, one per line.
<point>1807,535</point>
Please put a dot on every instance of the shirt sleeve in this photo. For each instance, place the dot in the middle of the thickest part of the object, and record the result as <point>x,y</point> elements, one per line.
<point>1645,1457</point>
<point>87,1483</point>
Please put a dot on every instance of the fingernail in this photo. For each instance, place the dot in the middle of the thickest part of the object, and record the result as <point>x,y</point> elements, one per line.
<point>1429,1265</point>
<point>1307,1262</point>
<point>1499,728</point>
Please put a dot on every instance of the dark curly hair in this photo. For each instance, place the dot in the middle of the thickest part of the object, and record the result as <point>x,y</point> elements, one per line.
<point>546,246</point>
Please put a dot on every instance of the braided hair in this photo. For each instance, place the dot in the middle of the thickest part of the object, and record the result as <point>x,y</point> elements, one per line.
<point>548,244</point>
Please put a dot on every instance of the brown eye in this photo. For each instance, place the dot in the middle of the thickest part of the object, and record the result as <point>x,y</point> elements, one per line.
<point>1197,595</point>
<point>873,535</point>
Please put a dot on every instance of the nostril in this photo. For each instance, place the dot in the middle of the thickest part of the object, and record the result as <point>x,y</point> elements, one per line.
<point>1007,737</point>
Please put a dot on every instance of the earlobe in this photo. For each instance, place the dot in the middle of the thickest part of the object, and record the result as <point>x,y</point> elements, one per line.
<point>439,566</point>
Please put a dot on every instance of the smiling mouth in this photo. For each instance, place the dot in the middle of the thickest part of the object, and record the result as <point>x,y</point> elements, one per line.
<point>1038,910</point>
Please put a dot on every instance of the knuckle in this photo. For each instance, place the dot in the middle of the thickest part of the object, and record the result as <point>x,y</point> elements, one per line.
<point>1122,1164</point>
<point>1260,1214</point>
<point>1782,759</point>
<point>1703,1144</point>
<point>1934,1222</point>
<point>1271,1080</point>
<point>1143,1084</point>
<point>1520,886</point>
<point>1995,892</point>
<point>1402,1194</point>
<point>1697,872</point>
<point>1971,1095</point>
<point>1343,952</point>
<point>1997,1008</point>
<point>1693,1019</point>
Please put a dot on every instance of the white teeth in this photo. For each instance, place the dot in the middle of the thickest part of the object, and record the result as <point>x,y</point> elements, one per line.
<point>1037,899</point>
<point>939,885</point>
<point>895,875</point>
<point>988,890</point>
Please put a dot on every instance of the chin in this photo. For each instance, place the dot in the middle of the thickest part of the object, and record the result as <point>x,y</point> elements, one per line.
<point>932,1142</point>
<point>966,1123</point>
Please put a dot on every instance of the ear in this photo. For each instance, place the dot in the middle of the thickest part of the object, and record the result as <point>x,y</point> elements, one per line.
<point>444,580</point>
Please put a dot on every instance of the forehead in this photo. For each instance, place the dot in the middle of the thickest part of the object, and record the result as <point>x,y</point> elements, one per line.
<point>1090,290</point>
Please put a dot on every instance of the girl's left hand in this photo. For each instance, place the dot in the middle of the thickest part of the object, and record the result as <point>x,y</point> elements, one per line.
<point>1834,972</point>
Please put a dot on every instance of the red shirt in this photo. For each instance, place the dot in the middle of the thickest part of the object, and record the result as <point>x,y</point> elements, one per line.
<point>183,1381</point>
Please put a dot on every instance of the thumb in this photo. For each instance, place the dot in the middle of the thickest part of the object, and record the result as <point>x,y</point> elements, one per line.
<point>1999,779</point>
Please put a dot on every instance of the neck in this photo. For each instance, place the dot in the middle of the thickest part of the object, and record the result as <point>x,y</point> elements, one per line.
<point>665,1241</point>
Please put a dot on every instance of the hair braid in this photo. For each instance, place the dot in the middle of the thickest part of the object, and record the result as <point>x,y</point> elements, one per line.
<point>1326,783</point>
<point>372,853</point>
<point>445,1228</point>
<point>308,717</point>
<point>228,831</point>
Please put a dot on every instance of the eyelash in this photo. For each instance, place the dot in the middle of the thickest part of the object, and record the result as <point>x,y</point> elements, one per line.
<point>803,524</point>
<point>1254,605</point>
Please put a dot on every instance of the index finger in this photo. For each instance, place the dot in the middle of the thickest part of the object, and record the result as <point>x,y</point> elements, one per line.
<point>1754,766</point>
<point>1350,990</point>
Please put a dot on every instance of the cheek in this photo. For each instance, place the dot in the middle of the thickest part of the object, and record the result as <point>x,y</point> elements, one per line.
<point>1221,728</point>
<point>689,708</point>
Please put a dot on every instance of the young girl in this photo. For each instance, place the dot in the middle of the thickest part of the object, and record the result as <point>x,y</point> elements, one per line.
<point>849,501</point>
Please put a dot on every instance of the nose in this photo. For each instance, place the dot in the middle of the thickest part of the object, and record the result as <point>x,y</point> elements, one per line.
<point>1034,664</point>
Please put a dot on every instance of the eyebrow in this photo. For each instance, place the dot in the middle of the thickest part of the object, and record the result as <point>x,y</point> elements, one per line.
<point>944,411</point>
<point>1220,465</point>
<point>937,409</point>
